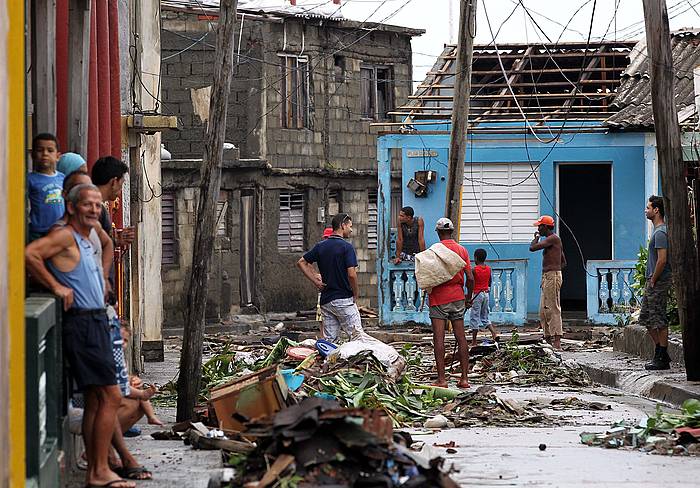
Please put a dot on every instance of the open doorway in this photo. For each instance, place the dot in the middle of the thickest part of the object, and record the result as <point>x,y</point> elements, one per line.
<point>585,204</point>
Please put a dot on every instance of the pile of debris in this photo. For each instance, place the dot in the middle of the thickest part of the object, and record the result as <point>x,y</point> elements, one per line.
<point>484,407</point>
<point>317,443</point>
<point>527,364</point>
<point>664,433</point>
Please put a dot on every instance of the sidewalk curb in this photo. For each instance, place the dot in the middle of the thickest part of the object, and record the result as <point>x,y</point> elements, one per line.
<point>634,339</point>
<point>618,371</point>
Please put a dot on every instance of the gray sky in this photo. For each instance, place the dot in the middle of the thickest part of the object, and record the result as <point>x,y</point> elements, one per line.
<point>625,22</point>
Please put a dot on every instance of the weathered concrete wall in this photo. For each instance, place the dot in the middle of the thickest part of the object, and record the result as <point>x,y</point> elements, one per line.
<point>339,137</point>
<point>186,69</point>
<point>279,286</point>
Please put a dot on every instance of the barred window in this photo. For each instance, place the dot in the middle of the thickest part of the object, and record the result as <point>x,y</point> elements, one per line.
<point>290,232</point>
<point>168,228</point>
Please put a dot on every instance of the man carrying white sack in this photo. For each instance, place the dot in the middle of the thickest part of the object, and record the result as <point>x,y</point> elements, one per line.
<point>441,271</point>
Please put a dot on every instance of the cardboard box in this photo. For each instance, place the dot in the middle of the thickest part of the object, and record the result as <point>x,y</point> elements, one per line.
<point>250,397</point>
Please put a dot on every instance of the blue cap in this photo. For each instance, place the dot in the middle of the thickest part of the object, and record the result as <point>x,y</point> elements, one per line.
<point>69,162</point>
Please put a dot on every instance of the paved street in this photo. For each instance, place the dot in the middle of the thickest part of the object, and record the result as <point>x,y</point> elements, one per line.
<point>486,456</point>
<point>510,456</point>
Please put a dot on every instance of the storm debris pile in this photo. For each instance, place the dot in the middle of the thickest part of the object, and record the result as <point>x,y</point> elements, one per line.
<point>484,407</point>
<point>318,443</point>
<point>664,433</point>
<point>529,364</point>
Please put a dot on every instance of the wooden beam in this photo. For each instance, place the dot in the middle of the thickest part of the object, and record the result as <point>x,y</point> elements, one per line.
<point>618,69</point>
<point>515,73</point>
<point>463,79</point>
<point>498,96</point>
<point>209,188</point>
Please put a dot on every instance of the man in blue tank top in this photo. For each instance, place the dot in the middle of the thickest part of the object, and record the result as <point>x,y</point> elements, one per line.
<point>63,261</point>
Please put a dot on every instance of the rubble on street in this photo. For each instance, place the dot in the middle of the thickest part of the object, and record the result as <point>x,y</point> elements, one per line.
<point>664,433</point>
<point>307,411</point>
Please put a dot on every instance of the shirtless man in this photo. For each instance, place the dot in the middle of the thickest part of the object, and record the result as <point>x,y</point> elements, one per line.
<point>63,261</point>
<point>553,261</point>
<point>409,239</point>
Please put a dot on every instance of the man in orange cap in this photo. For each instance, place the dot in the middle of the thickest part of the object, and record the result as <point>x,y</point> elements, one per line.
<point>553,261</point>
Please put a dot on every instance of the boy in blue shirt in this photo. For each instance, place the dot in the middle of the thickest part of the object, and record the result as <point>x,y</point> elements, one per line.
<point>45,186</point>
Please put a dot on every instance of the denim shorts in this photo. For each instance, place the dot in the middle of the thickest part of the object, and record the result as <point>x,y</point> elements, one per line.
<point>338,314</point>
<point>448,311</point>
<point>479,313</point>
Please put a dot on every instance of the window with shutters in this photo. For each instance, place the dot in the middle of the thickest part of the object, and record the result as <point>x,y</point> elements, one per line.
<point>222,213</point>
<point>500,201</point>
<point>295,91</point>
<point>372,219</point>
<point>396,199</point>
<point>376,85</point>
<point>333,203</point>
<point>168,229</point>
<point>290,232</point>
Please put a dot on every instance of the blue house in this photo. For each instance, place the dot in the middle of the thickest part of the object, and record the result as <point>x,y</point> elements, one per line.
<point>558,129</point>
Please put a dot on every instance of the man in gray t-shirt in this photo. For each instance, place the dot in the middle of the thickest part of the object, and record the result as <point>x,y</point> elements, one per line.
<point>658,284</point>
<point>658,241</point>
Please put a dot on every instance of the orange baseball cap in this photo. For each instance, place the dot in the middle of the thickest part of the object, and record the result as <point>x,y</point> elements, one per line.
<point>327,232</point>
<point>544,220</point>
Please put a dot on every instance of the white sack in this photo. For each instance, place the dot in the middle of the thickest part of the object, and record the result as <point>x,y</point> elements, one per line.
<point>362,341</point>
<point>437,265</point>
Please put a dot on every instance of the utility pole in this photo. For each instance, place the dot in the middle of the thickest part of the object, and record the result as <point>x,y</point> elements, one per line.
<point>683,254</point>
<point>209,187</point>
<point>460,109</point>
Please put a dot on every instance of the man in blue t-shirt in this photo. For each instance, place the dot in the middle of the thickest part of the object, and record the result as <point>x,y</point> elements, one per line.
<point>658,283</point>
<point>338,279</point>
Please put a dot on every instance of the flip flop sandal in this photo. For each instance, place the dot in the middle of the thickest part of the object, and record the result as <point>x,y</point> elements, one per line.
<point>139,473</point>
<point>107,485</point>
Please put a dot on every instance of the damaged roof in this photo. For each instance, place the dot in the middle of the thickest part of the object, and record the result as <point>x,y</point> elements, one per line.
<point>550,81</point>
<point>280,9</point>
<point>633,99</point>
<point>313,9</point>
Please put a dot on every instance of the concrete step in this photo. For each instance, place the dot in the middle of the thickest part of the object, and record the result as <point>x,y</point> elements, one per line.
<point>627,373</point>
<point>634,339</point>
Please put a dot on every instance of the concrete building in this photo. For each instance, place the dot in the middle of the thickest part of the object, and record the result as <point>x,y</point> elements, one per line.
<point>307,85</point>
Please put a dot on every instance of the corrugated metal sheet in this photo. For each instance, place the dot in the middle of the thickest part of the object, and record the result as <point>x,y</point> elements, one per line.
<point>633,97</point>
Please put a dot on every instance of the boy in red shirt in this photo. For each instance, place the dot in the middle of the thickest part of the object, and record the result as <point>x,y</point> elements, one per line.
<point>479,314</point>
<point>449,301</point>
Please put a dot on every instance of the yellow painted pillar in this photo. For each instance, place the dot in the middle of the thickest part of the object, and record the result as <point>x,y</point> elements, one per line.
<point>16,221</point>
